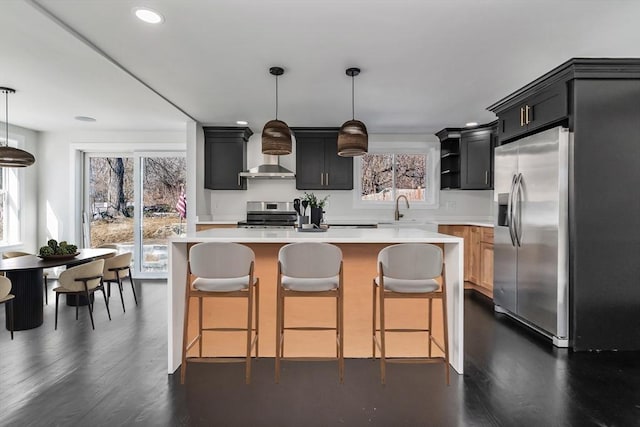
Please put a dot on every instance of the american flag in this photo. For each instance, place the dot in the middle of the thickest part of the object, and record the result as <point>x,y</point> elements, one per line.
<point>181,206</point>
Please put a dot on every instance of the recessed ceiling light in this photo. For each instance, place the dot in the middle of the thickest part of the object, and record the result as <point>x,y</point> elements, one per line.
<point>148,15</point>
<point>242,122</point>
<point>85,118</point>
<point>471,124</point>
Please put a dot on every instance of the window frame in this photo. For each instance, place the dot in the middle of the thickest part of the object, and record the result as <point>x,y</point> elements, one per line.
<point>429,148</point>
<point>11,190</point>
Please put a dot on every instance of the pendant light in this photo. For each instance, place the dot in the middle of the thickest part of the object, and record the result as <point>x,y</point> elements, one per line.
<point>353,139</point>
<point>276,135</point>
<point>12,157</point>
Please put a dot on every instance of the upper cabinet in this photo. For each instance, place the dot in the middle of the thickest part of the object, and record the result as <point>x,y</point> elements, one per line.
<point>534,112</point>
<point>318,166</point>
<point>225,156</point>
<point>449,158</point>
<point>466,157</point>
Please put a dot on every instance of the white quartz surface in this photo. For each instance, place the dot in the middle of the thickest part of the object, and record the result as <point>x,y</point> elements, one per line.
<point>338,235</point>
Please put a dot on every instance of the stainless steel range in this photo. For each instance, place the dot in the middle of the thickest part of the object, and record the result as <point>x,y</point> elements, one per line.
<point>269,215</point>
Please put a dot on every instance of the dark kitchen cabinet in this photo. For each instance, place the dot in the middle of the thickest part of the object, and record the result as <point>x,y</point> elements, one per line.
<point>535,112</point>
<point>598,100</point>
<point>466,157</point>
<point>476,158</point>
<point>449,158</point>
<point>225,156</point>
<point>318,166</point>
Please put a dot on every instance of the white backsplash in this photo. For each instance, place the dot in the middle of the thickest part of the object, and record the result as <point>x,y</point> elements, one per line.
<point>454,204</point>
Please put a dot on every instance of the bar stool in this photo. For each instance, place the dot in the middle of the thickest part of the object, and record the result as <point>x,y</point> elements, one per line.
<point>310,269</point>
<point>221,270</point>
<point>410,270</point>
<point>7,298</point>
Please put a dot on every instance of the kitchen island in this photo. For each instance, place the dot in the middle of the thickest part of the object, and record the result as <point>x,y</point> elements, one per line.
<point>360,248</point>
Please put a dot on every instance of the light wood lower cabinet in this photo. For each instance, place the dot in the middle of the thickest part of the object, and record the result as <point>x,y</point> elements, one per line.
<point>459,231</point>
<point>475,254</point>
<point>478,255</point>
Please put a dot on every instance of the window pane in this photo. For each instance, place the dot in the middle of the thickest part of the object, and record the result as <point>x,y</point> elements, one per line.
<point>2,214</point>
<point>111,196</point>
<point>377,177</point>
<point>410,175</point>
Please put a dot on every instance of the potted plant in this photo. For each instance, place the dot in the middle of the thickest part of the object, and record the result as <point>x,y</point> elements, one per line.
<point>317,206</point>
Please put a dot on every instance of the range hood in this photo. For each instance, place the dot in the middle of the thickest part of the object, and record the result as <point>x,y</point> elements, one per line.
<point>270,169</point>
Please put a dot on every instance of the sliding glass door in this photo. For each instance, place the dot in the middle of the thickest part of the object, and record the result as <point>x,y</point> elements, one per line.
<point>135,202</point>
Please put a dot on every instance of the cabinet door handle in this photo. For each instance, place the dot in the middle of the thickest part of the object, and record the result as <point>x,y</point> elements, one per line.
<point>239,183</point>
<point>326,179</point>
<point>486,177</point>
<point>526,114</point>
<point>321,178</point>
<point>521,116</point>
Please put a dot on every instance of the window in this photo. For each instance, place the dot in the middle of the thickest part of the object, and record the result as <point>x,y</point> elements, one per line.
<point>9,206</point>
<point>407,169</point>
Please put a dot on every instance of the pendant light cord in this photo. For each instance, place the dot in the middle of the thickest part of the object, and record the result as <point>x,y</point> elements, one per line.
<point>276,97</point>
<point>353,109</point>
<point>6,117</point>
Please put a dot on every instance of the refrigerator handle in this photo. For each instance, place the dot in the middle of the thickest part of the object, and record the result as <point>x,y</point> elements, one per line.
<point>510,211</point>
<point>517,211</point>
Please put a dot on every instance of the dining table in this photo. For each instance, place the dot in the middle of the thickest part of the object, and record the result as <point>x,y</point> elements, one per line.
<point>26,275</point>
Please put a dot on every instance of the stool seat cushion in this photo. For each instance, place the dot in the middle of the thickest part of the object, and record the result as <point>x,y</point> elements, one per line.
<point>409,286</point>
<point>315,284</point>
<point>229,284</point>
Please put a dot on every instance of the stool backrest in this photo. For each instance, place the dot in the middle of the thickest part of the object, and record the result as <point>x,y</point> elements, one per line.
<point>220,260</point>
<point>411,261</point>
<point>90,269</point>
<point>13,254</point>
<point>310,260</point>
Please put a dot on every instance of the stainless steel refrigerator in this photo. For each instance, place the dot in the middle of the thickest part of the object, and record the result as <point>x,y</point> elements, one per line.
<point>531,232</point>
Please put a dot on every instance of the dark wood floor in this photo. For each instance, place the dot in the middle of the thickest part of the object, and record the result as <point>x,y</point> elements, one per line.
<point>116,375</point>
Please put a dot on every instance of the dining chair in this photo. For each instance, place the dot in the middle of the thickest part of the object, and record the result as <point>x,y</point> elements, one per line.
<point>221,270</point>
<point>405,271</point>
<point>45,275</point>
<point>84,279</point>
<point>7,298</point>
<point>115,270</point>
<point>309,269</point>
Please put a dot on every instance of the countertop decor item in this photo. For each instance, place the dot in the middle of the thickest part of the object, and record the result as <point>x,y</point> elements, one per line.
<point>353,138</point>
<point>11,157</point>
<point>276,135</point>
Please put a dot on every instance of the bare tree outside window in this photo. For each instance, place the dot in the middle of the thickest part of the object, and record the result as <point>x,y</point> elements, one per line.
<point>112,199</point>
<point>385,176</point>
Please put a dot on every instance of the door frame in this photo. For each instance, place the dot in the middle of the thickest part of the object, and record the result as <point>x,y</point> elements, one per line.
<point>85,151</point>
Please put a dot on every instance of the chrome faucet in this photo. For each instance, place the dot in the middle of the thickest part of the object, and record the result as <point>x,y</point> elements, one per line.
<point>397,215</point>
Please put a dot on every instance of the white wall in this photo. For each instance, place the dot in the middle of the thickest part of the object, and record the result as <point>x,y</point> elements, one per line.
<point>230,205</point>
<point>60,175</point>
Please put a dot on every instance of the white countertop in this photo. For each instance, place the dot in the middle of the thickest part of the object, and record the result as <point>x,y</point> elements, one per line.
<point>338,235</point>
<point>342,222</point>
<point>463,222</point>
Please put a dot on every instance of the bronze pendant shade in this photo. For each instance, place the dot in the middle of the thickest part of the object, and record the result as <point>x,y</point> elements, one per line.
<point>276,135</point>
<point>11,157</point>
<point>353,138</point>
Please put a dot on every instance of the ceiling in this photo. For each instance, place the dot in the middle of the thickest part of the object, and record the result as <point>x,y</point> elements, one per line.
<point>425,64</point>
